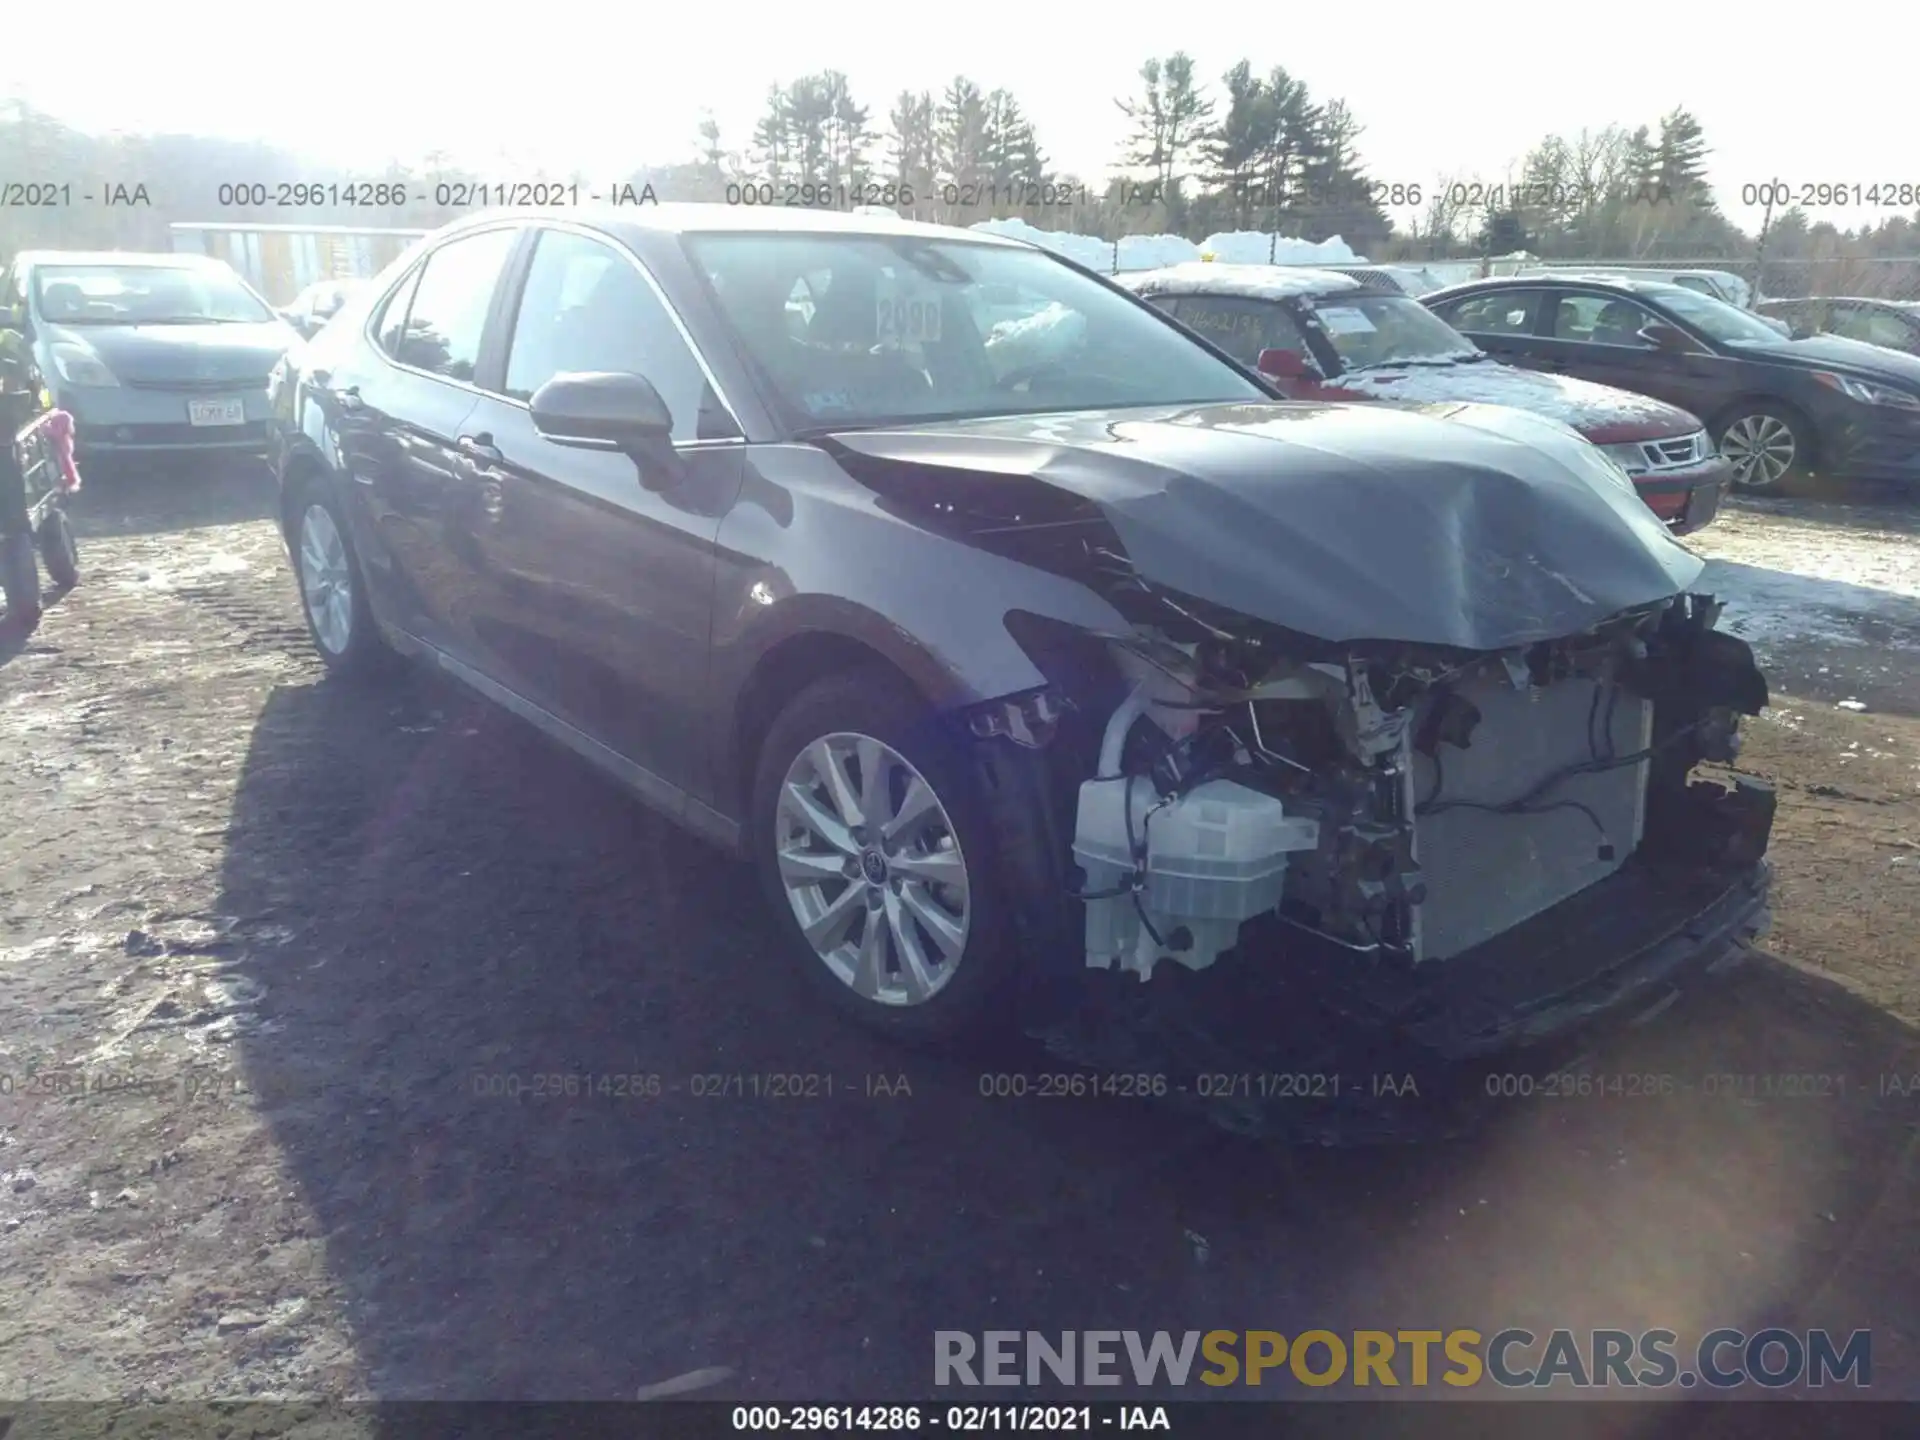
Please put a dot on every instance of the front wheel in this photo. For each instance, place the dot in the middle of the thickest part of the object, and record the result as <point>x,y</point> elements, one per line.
<point>333,596</point>
<point>1767,446</point>
<point>59,550</point>
<point>879,863</point>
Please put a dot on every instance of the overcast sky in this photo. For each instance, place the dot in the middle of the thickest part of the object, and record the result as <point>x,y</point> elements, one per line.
<point>564,84</point>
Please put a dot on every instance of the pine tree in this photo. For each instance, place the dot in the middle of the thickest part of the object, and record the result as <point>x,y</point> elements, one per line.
<point>1232,148</point>
<point>1680,172</point>
<point>911,148</point>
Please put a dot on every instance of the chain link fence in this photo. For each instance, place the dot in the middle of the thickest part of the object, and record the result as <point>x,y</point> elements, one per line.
<point>1895,277</point>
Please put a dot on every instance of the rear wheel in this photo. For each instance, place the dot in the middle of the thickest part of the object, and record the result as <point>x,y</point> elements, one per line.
<point>1767,445</point>
<point>878,860</point>
<point>59,549</point>
<point>333,596</point>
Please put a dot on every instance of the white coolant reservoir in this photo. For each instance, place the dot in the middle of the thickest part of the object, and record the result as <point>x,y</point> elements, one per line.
<point>1215,858</point>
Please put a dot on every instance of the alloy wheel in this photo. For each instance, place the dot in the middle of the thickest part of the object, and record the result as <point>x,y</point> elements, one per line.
<point>872,867</point>
<point>326,581</point>
<point>1761,449</point>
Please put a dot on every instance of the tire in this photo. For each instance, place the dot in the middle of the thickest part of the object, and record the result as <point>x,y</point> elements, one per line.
<point>333,594</point>
<point>939,957</point>
<point>19,578</point>
<point>1769,446</point>
<point>59,550</point>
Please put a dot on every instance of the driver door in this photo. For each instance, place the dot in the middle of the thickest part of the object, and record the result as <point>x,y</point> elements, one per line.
<point>595,581</point>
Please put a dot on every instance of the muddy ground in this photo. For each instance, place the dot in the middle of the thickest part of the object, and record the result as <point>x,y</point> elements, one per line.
<point>299,932</point>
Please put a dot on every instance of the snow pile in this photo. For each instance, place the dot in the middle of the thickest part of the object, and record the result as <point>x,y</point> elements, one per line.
<point>1151,252</point>
<point>1087,250</point>
<point>1252,247</point>
<point>1257,282</point>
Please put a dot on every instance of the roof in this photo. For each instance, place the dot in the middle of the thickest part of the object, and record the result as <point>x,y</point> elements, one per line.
<point>696,218</point>
<point>1598,279</point>
<point>1255,282</point>
<point>1835,300</point>
<point>171,259</point>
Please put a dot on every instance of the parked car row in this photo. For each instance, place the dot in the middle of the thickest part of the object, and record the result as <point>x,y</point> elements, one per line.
<point>1781,409</point>
<point>1627,360</point>
<point>155,355</point>
<point>1325,335</point>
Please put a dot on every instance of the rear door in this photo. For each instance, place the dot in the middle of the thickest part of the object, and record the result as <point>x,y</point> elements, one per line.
<point>595,593</point>
<point>1501,322</point>
<point>399,407</point>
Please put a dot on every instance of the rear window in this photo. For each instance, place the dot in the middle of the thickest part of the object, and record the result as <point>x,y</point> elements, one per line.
<point>1240,325</point>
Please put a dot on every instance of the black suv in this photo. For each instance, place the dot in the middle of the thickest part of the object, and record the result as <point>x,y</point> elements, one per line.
<point>1781,409</point>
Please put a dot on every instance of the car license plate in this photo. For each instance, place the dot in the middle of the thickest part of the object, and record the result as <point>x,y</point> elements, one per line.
<point>216,412</point>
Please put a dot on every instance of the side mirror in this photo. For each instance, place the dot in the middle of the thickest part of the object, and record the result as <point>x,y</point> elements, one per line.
<point>13,317</point>
<point>610,411</point>
<point>1285,365</point>
<point>1666,337</point>
<point>1801,330</point>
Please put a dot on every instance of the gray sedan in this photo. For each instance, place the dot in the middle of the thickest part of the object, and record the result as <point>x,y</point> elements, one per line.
<point>1016,633</point>
<point>153,355</point>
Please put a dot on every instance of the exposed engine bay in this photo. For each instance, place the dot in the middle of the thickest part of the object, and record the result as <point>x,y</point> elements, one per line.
<point>1430,726</point>
<point>1402,805</point>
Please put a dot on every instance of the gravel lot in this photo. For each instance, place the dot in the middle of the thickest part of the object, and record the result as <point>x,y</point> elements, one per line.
<point>305,929</point>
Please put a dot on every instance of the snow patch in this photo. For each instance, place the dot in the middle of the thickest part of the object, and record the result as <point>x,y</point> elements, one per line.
<point>1578,403</point>
<point>1255,282</point>
<point>1152,252</point>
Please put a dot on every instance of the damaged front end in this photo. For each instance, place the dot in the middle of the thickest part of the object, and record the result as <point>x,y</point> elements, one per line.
<point>1411,708</point>
<point>1479,849</point>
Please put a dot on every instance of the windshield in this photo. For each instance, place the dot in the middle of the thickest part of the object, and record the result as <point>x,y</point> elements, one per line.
<point>145,295</point>
<point>869,330</point>
<point>1369,329</point>
<point>1718,320</point>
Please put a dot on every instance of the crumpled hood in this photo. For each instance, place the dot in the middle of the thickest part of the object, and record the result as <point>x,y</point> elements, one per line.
<point>1465,525</point>
<point>1605,415</point>
<point>189,354</point>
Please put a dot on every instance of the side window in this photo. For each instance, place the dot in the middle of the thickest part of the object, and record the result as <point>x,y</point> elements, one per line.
<point>1504,312</point>
<point>392,326</point>
<point>1601,320</point>
<point>1242,326</point>
<point>449,310</point>
<point>587,308</point>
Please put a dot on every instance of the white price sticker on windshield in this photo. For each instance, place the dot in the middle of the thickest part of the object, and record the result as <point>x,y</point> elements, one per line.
<point>1344,320</point>
<point>906,318</point>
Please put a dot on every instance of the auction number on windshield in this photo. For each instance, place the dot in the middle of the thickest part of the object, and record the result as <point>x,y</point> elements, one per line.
<point>907,320</point>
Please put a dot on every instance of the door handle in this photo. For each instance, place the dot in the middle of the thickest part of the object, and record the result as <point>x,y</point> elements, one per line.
<point>480,448</point>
